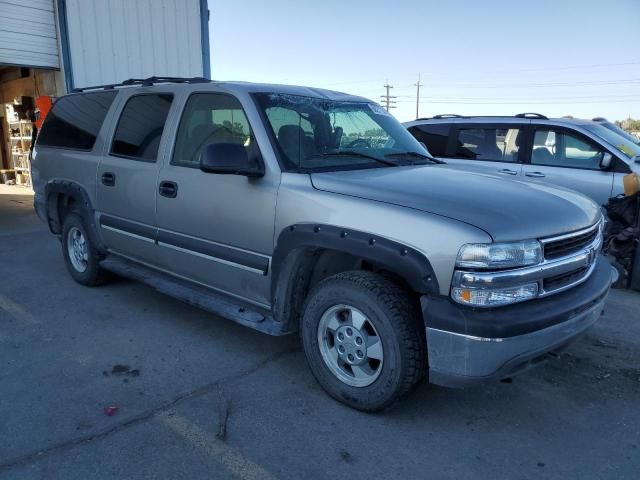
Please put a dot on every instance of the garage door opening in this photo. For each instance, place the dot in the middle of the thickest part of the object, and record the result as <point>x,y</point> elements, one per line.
<point>19,90</point>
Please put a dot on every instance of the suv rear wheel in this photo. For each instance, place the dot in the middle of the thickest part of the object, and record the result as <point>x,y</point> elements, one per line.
<point>80,255</point>
<point>363,339</point>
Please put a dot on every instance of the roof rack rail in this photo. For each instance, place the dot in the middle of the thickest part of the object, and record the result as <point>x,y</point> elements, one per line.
<point>448,115</point>
<point>144,82</point>
<point>531,115</point>
<point>598,119</point>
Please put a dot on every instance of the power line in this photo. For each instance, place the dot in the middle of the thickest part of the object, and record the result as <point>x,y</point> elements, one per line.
<point>405,98</point>
<point>571,67</point>
<point>524,102</point>
<point>506,70</point>
<point>545,85</point>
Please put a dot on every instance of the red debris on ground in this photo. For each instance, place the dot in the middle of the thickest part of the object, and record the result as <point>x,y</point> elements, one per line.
<point>110,411</point>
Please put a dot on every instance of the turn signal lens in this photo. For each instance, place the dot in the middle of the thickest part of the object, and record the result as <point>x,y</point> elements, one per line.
<point>482,297</point>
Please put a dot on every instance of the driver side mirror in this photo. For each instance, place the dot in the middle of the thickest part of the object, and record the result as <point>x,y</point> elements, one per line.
<point>605,161</point>
<point>229,159</point>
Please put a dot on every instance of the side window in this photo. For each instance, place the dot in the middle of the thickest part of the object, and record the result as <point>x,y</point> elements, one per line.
<point>140,127</point>
<point>435,136</point>
<point>564,150</point>
<point>75,120</point>
<point>491,144</point>
<point>209,118</point>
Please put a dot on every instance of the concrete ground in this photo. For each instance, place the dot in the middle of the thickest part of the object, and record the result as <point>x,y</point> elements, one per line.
<point>200,397</point>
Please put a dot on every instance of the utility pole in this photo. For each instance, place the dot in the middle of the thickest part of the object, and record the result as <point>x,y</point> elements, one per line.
<point>418,85</point>
<point>388,100</point>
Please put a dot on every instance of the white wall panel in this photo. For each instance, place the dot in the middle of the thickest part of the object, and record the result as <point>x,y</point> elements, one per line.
<point>113,40</point>
<point>28,33</point>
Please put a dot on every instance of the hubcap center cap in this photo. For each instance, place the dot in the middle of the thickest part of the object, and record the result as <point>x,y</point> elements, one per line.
<point>351,345</point>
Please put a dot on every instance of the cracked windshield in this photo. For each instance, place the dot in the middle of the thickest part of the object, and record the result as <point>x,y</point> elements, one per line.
<point>312,133</point>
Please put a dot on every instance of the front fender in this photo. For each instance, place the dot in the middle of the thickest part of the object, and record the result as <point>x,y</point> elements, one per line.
<point>406,262</point>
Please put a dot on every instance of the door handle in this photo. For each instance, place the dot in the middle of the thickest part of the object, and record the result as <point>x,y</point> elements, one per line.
<point>168,189</point>
<point>108,179</point>
<point>535,174</point>
<point>508,172</point>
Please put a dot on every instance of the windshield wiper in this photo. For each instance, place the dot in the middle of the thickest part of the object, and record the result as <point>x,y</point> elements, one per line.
<point>415,155</point>
<point>346,153</point>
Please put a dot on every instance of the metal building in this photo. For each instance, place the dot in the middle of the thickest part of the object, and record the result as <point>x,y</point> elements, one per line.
<point>28,34</point>
<point>50,47</point>
<point>108,41</point>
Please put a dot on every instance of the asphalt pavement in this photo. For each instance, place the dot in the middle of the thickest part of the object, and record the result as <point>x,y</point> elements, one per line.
<point>121,382</point>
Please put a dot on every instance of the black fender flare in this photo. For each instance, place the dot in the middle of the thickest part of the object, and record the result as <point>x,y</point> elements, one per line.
<point>83,202</point>
<point>295,248</point>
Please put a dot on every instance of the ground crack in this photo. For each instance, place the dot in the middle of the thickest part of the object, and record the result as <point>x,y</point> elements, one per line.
<point>143,416</point>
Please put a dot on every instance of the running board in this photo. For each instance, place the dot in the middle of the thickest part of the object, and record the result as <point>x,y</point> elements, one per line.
<point>196,295</point>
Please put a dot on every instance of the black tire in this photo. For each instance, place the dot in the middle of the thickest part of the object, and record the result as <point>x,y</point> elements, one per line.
<point>623,277</point>
<point>399,327</point>
<point>93,274</point>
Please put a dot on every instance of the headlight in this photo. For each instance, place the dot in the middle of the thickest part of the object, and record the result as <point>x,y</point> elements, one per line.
<point>500,255</point>
<point>494,297</point>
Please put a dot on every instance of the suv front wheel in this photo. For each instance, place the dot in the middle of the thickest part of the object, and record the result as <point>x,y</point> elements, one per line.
<point>363,339</point>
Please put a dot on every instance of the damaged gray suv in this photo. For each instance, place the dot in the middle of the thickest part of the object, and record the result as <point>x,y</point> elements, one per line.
<point>297,209</point>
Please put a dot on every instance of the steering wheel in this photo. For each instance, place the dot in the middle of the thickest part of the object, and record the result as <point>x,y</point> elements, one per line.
<point>359,142</point>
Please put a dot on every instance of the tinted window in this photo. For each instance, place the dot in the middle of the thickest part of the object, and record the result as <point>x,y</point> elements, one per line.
<point>564,150</point>
<point>140,126</point>
<point>75,120</point>
<point>434,136</point>
<point>491,144</point>
<point>209,118</point>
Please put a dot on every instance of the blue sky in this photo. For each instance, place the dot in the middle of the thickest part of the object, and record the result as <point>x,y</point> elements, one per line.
<point>562,57</point>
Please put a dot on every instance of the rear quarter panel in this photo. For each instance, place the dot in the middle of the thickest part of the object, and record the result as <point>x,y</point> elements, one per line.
<point>51,164</point>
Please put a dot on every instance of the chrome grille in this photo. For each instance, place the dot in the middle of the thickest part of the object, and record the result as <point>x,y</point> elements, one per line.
<point>577,252</point>
<point>569,244</point>
<point>550,284</point>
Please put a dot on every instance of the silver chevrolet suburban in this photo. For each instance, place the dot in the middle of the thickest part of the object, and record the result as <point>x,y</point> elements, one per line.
<point>297,209</point>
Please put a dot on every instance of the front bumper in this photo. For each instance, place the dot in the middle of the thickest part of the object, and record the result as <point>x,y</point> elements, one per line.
<point>467,346</point>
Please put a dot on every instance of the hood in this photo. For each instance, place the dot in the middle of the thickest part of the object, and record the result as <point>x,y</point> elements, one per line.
<point>505,209</point>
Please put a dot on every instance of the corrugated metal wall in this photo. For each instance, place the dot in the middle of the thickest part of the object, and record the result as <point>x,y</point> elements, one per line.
<point>113,40</point>
<point>28,33</point>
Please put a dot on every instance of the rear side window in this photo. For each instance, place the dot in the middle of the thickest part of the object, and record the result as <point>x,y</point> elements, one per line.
<point>140,127</point>
<point>75,120</point>
<point>435,136</point>
<point>490,144</point>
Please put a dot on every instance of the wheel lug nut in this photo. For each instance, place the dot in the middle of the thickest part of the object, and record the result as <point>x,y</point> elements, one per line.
<point>360,354</point>
<point>350,357</point>
<point>359,340</point>
<point>341,349</point>
<point>349,332</point>
<point>341,336</point>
